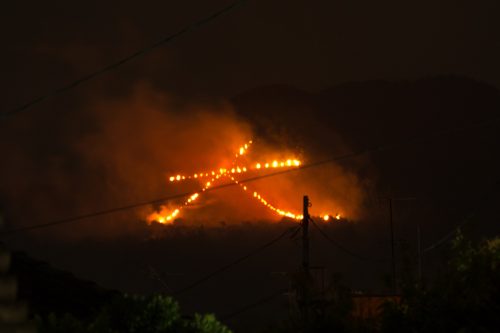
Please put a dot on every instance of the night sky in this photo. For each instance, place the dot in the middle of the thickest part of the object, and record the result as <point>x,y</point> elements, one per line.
<point>308,45</point>
<point>321,78</point>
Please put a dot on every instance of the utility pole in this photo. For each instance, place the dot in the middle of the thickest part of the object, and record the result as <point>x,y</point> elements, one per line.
<point>393,251</point>
<point>305,262</point>
<point>393,259</point>
<point>305,235</point>
<point>419,249</point>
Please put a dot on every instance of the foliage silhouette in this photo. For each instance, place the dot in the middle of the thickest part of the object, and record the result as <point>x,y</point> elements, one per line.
<point>134,314</point>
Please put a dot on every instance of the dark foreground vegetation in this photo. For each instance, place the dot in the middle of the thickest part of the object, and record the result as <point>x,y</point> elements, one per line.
<point>62,303</point>
<point>463,297</point>
<point>132,314</point>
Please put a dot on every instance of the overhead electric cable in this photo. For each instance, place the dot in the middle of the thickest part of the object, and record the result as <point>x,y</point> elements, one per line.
<point>234,263</point>
<point>450,234</point>
<point>342,248</point>
<point>193,26</point>
<point>253,305</point>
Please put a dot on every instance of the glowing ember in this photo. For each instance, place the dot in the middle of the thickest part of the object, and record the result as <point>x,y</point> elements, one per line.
<point>166,216</point>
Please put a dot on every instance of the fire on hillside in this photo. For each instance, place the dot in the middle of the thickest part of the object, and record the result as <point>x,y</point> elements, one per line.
<point>229,173</point>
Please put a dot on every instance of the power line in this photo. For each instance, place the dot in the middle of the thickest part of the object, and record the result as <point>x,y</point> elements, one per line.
<point>156,275</point>
<point>342,248</point>
<point>93,214</point>
<point>165,199</point>
<point>272,174</point>
<point>253,305</point>
<point>193,26</point>
<point>150,202</point>
<point>258,250</point>
<point>237,261</point>
<point>465,220</point>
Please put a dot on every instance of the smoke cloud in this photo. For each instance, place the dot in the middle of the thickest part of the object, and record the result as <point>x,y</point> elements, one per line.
<point>116,151</point>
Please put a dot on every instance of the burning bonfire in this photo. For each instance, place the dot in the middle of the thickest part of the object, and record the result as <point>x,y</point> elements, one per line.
<point>212,177</point>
